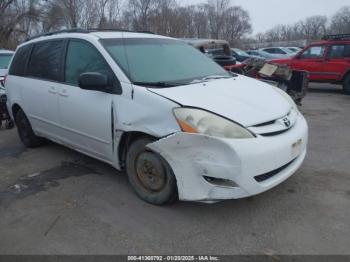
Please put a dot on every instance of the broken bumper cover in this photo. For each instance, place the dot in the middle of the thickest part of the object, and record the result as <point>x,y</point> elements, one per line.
<point>251,166</point>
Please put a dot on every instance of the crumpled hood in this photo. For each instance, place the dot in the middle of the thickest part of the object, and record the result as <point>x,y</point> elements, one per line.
<point>241,99</point>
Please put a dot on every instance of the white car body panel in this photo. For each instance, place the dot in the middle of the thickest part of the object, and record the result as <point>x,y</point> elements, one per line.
<point>94,123</point>
<point>40,102</point>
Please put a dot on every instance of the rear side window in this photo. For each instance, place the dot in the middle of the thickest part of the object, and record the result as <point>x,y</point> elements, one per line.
<point>339,51</point>
<point>18,65</point>
<point>45,61</point>
<point>82,57</point>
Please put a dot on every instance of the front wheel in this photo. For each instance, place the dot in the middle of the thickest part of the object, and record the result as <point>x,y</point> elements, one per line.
<point>149,174</point>
<point>346,85</point>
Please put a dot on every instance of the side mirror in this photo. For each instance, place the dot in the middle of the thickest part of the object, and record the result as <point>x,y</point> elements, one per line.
<point>93,81</point>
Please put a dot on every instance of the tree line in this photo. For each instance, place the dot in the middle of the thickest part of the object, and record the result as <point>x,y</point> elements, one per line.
<point>218,19</point>
<point>20,19</point>
<point>311,28</point>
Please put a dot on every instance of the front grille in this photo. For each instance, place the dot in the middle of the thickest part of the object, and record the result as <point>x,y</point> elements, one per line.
<point>266,123</point>
<point>275,133</point>
<point>275,127</point>
<point>266,176</point>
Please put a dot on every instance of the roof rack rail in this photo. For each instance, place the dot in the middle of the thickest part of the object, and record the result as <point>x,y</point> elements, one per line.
<point>107,30</point>
<point>74,30</point>
<point>118,30</point>
<point>85,31</point>
<point>337,37</point>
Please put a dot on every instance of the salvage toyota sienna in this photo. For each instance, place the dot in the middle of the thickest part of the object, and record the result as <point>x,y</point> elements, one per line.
<point>176,122</point>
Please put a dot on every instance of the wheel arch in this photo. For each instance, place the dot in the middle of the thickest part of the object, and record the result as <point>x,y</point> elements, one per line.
<point>126,140</point>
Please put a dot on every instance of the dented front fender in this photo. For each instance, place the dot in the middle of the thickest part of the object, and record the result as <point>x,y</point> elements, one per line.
<point>193,157</point>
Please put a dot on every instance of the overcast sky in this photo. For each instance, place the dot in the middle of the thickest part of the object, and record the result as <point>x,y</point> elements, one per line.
<point>267,13</point>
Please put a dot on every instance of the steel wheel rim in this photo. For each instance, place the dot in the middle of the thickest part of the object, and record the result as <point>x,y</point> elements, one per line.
<point>150,172</point>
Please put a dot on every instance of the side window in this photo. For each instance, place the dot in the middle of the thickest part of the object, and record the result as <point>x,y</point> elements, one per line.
<point>82,57</point>
<point>339,51</point>
<point>313,52</point>
<point>282,52</point>
<point>279,51</point>
<point>347,51</point>
<point>45,61</point>
<point>5,60</point>
<point>18,65</point>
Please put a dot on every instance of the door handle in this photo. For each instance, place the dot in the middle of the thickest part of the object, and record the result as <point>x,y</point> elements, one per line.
<point>52,90</point>
<point>64,93</point>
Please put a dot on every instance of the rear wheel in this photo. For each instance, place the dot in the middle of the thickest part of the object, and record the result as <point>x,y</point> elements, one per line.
<point>149,174</point>
<point>25,131</point>
<point>346,85</point>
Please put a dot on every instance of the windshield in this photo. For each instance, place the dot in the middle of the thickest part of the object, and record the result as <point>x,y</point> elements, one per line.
<point>148,61</point>
<point>240,52</point>
<point>5,60</point>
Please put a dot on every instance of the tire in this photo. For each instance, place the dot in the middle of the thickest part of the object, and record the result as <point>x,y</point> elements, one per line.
<point>150,175</point>
<point>25,131</point>
<point>346,85</point>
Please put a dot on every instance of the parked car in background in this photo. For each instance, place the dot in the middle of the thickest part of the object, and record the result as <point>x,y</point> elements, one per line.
<point>218,50</point>
<point>241,55</point>
<point>176,122</point>
<point>5,58</point>
<point>326,61</point>
<point>265,55</point>
<point>279,51</point>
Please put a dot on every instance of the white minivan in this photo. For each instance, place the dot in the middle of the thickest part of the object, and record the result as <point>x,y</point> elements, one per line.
<point>176,122</point>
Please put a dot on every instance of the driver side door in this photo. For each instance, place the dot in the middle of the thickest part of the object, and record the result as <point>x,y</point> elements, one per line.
<point>312,60</point>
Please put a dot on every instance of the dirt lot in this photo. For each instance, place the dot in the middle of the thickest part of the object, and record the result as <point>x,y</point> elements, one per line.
<point>56,201</point>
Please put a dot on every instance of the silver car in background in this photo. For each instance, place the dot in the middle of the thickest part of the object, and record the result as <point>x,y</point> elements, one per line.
<point>5,58</point>
<point>279,51</point>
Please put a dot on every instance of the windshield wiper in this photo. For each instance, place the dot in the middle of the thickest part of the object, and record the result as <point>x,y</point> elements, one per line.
<point>215,77</point>
<point>157,84</point>
<point>212,77</point>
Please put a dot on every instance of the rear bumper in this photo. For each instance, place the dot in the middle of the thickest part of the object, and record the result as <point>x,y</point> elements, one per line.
<point>194,157</point>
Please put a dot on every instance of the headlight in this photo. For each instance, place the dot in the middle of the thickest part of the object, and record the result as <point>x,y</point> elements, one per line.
<point>202,122</point>
<point>288,98</point>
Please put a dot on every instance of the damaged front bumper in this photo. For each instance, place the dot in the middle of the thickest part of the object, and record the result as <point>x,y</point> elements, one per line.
<point>210,169</point>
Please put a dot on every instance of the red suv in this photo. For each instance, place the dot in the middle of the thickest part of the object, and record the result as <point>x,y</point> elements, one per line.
<point>326,61</point>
